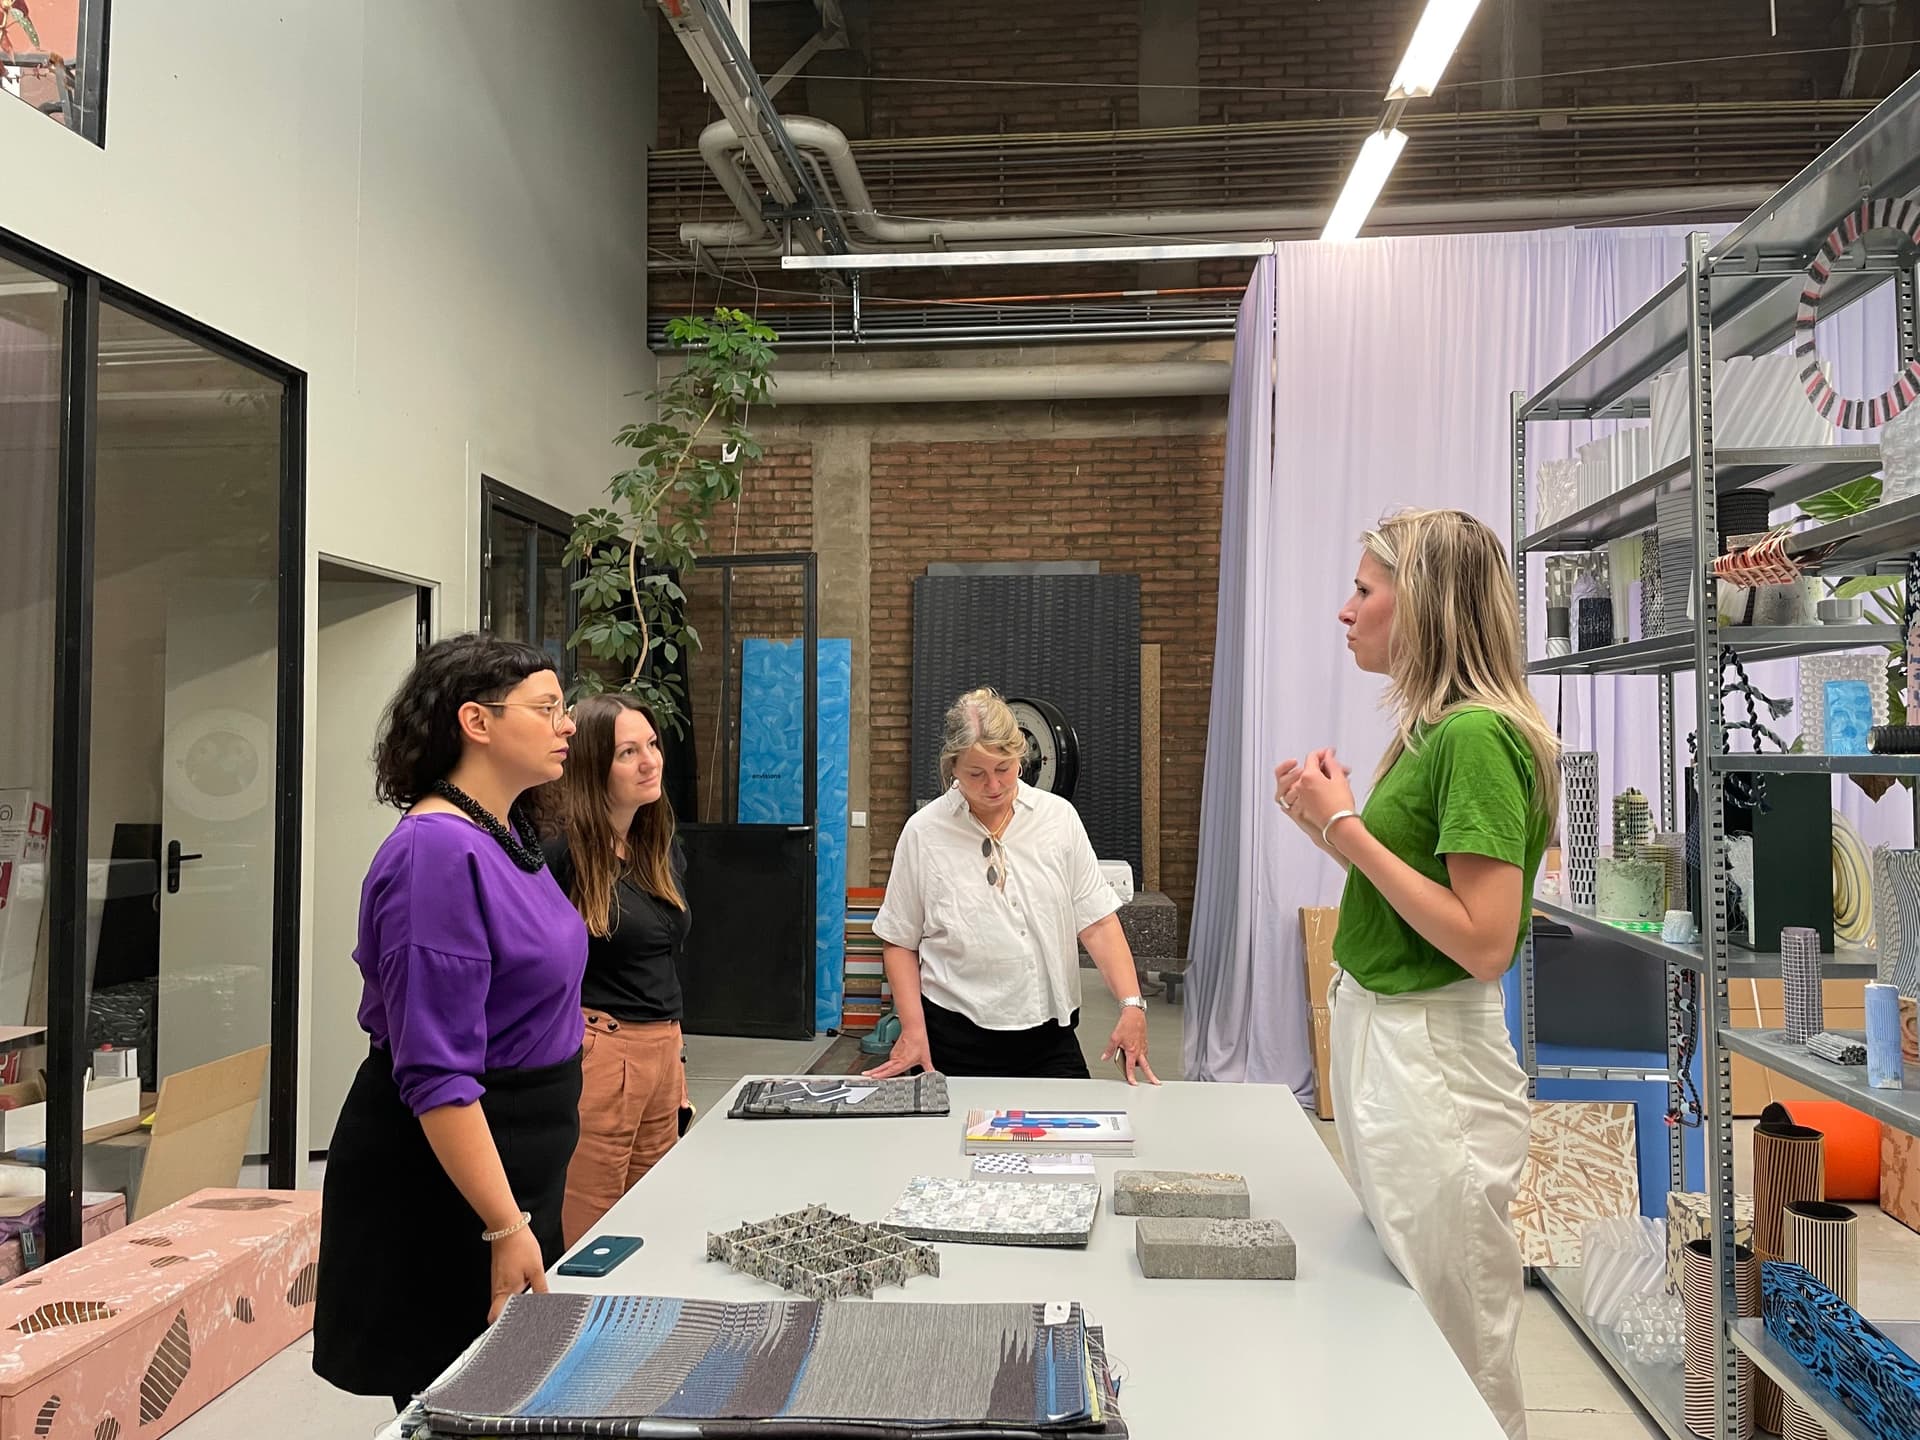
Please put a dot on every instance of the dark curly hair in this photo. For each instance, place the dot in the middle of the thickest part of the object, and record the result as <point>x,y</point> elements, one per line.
<point>420,733</point>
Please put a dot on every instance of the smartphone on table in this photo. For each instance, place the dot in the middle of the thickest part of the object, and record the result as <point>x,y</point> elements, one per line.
<point>600,1254</point>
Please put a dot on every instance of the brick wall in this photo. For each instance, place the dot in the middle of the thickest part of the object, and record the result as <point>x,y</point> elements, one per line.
<point>1143,505</point>
<point>775,513</point>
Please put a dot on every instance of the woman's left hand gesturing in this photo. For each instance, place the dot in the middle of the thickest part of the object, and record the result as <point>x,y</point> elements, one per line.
<point>1129,1043</point>
<point>1313,790</point>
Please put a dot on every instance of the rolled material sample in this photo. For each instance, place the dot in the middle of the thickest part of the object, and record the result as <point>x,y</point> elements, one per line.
<point>1789,1163</point>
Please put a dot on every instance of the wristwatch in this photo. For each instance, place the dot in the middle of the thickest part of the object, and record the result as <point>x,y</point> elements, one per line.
<point>1133,1002</point>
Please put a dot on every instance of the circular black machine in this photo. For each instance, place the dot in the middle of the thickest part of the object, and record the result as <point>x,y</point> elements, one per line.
<point>1053,750</point>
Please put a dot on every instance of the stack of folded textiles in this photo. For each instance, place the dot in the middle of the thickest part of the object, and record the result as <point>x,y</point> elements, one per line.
<point>642,1366</point>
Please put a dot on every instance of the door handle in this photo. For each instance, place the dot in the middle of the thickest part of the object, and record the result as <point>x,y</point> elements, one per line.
<point>175,859</point>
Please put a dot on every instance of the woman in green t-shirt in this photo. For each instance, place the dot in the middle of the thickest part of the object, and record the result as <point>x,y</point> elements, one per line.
<point>1430,1101</point>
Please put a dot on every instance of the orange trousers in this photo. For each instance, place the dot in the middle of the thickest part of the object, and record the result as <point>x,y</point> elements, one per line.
<point>631,1083</point>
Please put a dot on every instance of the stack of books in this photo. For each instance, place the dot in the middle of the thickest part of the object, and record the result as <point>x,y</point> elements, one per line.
<point>1096,1133</point>
<point>866,978</point>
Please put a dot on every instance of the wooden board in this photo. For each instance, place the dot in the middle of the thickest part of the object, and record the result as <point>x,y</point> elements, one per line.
<point>1583,1165</point>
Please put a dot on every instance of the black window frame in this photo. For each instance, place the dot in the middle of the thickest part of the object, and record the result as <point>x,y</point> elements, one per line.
<point>539,515</point>
<point>67,856</point>
<point>86,111</point>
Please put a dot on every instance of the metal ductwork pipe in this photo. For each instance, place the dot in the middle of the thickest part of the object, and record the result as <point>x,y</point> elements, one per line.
<point>751,236</point>
<point>938,384</point>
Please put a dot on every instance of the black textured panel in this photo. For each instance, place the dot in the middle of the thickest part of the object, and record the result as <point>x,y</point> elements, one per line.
<point>1071,639</point>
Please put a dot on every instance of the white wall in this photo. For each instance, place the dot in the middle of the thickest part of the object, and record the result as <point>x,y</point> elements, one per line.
<point>435,208</point>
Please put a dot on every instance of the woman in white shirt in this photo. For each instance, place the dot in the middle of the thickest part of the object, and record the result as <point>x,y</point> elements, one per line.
<point>991,886</point>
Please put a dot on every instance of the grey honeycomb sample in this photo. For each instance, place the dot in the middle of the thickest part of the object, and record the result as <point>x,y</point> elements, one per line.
<point>822,1254</point>
<point>1182,1248</point>
<point>1202,1194</point>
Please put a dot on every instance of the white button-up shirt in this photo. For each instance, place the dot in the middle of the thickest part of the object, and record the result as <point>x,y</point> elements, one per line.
<point>1007,959</point>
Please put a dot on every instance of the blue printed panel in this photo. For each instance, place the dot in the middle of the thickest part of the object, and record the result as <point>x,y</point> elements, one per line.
<point>1869,1376</point>
<point>773,740</point>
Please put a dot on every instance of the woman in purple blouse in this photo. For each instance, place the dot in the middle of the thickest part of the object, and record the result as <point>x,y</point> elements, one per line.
<point>448,1165</point>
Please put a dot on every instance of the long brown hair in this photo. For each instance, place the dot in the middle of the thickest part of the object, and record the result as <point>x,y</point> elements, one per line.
<point>1455,642</point>
<point>581,807</point>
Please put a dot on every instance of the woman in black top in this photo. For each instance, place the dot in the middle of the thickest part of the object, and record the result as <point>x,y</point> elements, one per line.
<point>616,859</point>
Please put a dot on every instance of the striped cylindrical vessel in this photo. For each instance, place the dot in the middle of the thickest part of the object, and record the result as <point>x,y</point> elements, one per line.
<point>1885,1068</point>
<point>1823,1240</point>
<point>1789,1164</point>
<point>1698,1284</point>
<point>1800,983</point>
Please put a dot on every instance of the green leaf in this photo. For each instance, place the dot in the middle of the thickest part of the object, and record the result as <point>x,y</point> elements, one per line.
<point>1844,500</point>
<point>1863,585</point>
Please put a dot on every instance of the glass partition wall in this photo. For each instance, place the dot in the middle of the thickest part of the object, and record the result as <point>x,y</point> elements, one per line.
<point>151,592</point>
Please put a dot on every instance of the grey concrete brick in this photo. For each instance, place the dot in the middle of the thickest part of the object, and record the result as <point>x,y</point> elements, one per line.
<point>1190,1249</point>
<point>1201,1194</point>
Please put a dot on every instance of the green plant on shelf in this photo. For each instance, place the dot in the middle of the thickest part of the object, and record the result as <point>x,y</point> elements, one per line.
<point>1885,597</point>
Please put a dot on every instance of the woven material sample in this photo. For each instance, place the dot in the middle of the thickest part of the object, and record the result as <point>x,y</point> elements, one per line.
<point>1582,1165</point>
<point>844,1097</point>
<point>623,1365</point>
<point>1580,825</point>
<point>1800,983</point>
<point>1867,1374</point>
<point>1652,606</point>
<point>1823,1240</point>
<point>822,1254</point>
<point>1697,1291</point>
<point>993,1212</point>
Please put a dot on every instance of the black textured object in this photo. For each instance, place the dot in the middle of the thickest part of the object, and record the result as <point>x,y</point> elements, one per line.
<point>1559,623</point>
<point>529,857</point>
<point>1744,512</point>
<point>1894,740</point>
<point>1053,750</point>
<point>1596,623</point>
<point>1071,639</point>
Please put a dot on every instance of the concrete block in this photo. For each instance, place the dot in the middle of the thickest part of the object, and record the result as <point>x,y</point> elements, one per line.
<point>1190,1249</point>
<point>1201,1194</point>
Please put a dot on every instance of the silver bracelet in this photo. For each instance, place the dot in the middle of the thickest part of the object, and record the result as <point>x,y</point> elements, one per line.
<point>1333,820</point>
<point>514,1229</point>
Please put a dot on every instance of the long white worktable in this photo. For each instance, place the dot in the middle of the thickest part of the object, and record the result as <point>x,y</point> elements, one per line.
<point>1345,1349</point>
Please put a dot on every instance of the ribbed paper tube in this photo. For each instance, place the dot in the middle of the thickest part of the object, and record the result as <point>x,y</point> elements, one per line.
<point>1789,1165</point>
<point>1697,1286</point>
<point>1824,1240</point>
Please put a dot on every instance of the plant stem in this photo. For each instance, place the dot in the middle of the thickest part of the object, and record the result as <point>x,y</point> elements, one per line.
<point>654,501</point>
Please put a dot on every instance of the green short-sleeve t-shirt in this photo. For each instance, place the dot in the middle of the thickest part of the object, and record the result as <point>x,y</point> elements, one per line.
<point>1467,787</point>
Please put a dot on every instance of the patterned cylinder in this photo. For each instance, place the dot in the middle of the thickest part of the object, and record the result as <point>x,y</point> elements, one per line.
<point>1652,608</point>
<point>1580,825</point>
<point>1632,822</point>
<point>1789,1163</point>
<point>1896,916</point>
<point>1558,647</point>
<point>1698,1290</point>
<point>1674,842</point>
<point>1884,1068</point>
<point>1823,1240</point>
<point>1800,983</point>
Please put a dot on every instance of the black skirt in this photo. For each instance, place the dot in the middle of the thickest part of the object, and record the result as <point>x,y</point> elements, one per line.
<point>405,1280</point>
<point>960,1047</point>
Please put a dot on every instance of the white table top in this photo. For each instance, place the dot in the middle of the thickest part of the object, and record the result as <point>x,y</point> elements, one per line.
<point>1346,1348</point>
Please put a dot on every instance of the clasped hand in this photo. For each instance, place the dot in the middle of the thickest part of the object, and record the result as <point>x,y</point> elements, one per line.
<point>1312,791</point>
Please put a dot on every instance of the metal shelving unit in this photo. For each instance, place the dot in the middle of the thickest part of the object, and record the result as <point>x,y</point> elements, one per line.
<point>1738,297</point>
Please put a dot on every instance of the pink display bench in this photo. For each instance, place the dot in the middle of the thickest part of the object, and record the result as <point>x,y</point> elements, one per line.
<point>127,1337</point>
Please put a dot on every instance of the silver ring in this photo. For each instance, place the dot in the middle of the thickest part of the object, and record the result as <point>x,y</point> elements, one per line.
<point>1286,807</point>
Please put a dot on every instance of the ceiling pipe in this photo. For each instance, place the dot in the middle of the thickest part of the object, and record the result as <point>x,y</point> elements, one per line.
<point>942,385</point>
<point>751,237</point>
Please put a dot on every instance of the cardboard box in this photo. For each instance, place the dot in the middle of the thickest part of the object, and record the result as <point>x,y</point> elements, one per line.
<point>108,1102</point>
<point>1758,1005</point>
<point>1317,926</point>
<point>1322,1019</point>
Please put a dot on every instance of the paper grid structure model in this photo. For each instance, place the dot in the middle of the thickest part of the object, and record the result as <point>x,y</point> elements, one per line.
<point>822,1254</point>
<point>987,1212</point>
<point>840,1097</point>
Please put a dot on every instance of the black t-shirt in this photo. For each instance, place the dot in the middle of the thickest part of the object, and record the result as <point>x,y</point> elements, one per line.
<point>633,974</point>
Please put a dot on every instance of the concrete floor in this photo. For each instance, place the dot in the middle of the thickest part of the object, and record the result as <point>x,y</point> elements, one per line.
<point>1571,1393</point>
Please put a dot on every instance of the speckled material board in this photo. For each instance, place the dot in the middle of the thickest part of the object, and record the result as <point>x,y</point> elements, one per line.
<point>994,1212</point>
<point>1582,1165</point>
<point>1212,1195</point>
<point>1185,1248</point>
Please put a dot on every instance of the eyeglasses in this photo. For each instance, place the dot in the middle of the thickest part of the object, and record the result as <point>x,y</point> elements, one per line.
<point>554,710</point>
<point>996,874</point>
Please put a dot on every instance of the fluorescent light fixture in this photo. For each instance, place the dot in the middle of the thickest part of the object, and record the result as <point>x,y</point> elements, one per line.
<point>1073,255</point>
<point>1435,39</point>
<point>1370,171</point>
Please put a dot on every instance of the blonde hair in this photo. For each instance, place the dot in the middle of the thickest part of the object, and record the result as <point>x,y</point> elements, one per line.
<point>980,717</point>
<point>1455,642</point>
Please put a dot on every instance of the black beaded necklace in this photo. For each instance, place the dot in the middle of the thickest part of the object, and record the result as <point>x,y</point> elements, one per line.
<point>529,858</point>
